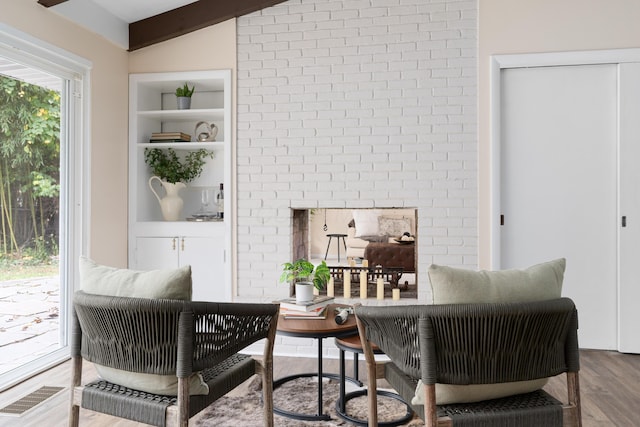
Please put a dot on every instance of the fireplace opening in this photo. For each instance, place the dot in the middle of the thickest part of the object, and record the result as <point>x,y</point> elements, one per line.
<point>384,237</point>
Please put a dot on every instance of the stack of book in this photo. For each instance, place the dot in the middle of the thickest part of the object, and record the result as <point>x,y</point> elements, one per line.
<point>315,309</point>
<point>170,137</point>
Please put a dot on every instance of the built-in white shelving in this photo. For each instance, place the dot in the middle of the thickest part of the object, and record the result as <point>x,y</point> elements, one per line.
<point>153,242</point>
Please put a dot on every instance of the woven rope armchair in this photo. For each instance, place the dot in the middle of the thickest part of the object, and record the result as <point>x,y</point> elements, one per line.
<point>476,344</point>
<point>168,337</point>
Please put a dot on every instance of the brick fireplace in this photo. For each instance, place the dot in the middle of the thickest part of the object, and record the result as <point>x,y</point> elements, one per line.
<point>355,104</point>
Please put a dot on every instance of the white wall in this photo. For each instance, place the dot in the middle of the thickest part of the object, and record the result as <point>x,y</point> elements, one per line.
<point>349,104</point>
<point>107,120</point>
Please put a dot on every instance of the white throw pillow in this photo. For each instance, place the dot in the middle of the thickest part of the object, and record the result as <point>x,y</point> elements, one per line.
<point>156,284</point>
<point>102,280</point>
<point>366,221</point>
<point>459,286</point>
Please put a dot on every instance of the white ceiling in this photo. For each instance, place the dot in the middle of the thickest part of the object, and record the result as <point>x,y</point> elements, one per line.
<point>135,10</point>
<point>111,18</point>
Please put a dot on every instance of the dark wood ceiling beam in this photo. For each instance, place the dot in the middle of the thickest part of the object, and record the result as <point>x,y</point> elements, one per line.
<point>188,18</point>
<point>49,3</point>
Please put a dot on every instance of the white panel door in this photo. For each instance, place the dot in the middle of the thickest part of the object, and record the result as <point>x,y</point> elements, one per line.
<point>559,185</point>
<point>629,237</point>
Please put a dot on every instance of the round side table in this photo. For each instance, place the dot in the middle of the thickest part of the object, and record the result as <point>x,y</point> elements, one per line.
<point>338,237</point>
<point>354,345</point>
<point>316,329</point>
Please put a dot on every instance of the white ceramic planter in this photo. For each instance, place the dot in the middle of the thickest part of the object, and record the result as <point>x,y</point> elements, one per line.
<point>304,292</point>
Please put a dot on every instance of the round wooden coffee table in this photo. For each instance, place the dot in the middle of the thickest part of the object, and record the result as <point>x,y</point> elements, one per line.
<point>317,329</point>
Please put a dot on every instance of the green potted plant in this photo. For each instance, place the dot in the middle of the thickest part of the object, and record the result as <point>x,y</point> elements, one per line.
<point>305,276</point>
<point>183,93</point>
<point>168,166</point>
<point>173,173</point>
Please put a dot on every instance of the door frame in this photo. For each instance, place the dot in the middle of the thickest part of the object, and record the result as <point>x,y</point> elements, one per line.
<point>497,64</point>
<point>74,159</point>
<point>570,58</point>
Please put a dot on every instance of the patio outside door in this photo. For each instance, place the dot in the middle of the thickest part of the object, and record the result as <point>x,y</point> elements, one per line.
<point>41,218</point>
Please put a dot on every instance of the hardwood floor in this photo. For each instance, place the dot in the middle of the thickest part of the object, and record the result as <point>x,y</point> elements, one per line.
<point>609,382</point>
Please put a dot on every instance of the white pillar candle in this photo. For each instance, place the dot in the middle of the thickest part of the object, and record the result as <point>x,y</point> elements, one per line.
<point>330,287</point>
<point>380,288</point>
<point>396,294</point>
<point>365,263</point>
<point>347,282</point>
<point>352,262</point>
<point>363,284</point>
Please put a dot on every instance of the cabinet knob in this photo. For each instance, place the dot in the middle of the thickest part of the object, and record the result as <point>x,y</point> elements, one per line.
<point>173,244</point>
<point>182,244</point>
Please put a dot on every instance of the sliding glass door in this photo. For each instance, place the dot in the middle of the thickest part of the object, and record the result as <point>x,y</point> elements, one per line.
<point>40,226</point>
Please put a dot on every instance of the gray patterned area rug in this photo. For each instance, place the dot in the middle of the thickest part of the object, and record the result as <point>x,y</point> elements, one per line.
<point>299,395</point>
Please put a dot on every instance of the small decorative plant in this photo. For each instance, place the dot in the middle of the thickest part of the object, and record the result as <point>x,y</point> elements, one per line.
<point>303,270</point>
<point>185,91</point>
<point>170,168</point>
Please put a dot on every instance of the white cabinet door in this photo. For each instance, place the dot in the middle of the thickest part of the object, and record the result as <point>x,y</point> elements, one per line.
<point>203,254</point>
<point>559,184</point>
<point>156,253</point>
<point>206,257</point>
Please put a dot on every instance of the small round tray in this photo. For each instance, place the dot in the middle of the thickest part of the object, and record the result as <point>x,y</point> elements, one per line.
<point>404,242</point>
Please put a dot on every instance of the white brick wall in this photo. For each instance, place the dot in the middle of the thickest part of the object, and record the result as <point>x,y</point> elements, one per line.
<point>351,104</point>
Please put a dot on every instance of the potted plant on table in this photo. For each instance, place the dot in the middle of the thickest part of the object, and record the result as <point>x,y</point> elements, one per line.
<point>305,276</point>
<point>184,94</point>
<point>173,174</point>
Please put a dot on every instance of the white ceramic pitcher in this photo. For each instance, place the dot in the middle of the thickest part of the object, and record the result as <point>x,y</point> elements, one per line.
<point>171,204</point>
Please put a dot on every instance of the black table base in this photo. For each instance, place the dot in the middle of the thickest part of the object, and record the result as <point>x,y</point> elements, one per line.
<point>319,416</point>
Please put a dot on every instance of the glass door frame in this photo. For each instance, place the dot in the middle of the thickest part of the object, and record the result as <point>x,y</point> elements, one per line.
<point>74,174</point>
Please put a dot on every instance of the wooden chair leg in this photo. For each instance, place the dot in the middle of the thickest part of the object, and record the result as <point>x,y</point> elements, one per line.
<point>74,415</point>
<point>430,408</point>
<point>372,395</point>
<point>183,402</point>
<point>372,376</point>
<point>266,369</point>
<point>573,390</point>
<point>76,378</point>
<point>266,373</point>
